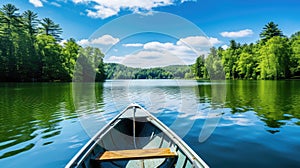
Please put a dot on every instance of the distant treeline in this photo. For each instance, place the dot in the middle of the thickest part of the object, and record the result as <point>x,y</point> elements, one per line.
<point>118,71</point>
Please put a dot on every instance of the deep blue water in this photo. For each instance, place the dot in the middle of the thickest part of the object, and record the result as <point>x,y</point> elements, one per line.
<point>229,124</point>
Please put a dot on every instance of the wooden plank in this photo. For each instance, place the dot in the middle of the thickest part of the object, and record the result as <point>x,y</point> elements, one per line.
<point>137,154</point>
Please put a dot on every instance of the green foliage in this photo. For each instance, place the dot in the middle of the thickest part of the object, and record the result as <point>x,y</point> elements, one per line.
<point>199,68</point>
<point>153,73</point>
<point>50,57</point>
<point>50,28</point>
<point>274,57</point>
<point>118,71</point>
<point>180,71</point>
<point>229,59</point>
<point>30,23</point>
<point>10,20</point>
<point>70,55</point>
<point>87,66</point>
<point>213,64</point>
<point>295,56</point>
<point>270,30</point>
<point>30,50</point>
<point>247,62</point>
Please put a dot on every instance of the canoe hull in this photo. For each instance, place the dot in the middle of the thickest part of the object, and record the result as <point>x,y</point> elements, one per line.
<point>136,128</point>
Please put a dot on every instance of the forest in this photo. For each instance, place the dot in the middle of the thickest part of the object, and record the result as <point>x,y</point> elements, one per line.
<point>31,50</point>
<point>119,71</point>
<point>273,56</point>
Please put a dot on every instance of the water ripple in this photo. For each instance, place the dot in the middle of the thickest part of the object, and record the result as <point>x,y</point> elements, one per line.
<point>51,119</point>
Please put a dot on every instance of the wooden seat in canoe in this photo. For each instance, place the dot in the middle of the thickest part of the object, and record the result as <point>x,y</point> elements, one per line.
<point>136,154</point>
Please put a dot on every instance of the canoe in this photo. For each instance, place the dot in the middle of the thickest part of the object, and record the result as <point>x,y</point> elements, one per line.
<point>135,138</point>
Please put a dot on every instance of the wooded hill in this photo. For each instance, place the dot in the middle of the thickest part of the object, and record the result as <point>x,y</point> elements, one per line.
<point>119,71</point>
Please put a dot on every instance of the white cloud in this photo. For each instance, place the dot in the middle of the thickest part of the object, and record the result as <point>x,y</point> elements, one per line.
<point>181,50</point>
<point>84,42</point>
<point>106,40</point>
<point>133,45</point>
<point>103,40</point>
<point>224,46</point>
<point>154,54</point>
<point>147,59</point>
<point>102,12</point>
<point>182,1</point>
<point>116,59</point>
<point>214,41</point>
<point>107,8</point>
<point>155,45</point>
<point>79,1</point>
<point>184,44</point>
<point>237,34</point>
<point>199,41</point>
<point>55,4</point>
<point>36,3</point>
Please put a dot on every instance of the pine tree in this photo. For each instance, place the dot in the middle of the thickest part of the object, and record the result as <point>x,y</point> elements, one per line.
<point>270,30</point>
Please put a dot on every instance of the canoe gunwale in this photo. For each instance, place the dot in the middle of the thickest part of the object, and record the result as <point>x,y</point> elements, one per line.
<point>89,146</point>
<point>178,141</point>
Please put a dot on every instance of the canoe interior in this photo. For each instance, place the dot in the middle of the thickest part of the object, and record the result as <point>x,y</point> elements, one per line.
<point>148,136</point>
<point>135,128</point>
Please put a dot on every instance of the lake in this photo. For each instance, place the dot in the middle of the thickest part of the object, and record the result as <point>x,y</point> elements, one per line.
<point>229,124</point>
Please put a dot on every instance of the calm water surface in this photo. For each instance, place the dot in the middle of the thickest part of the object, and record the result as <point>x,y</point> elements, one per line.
<point>232,124</point>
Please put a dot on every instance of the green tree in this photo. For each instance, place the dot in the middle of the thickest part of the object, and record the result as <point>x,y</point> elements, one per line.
<point>27,54</point>
<point>30,21</point>
<point>50,28</point>
<point>70,53</point>
<point>10,16</point>
<point>30,25</point>
<point>274,59</point>
<point>270,30</point>
<point>247,62</point>
<point>100,73</point>
<point>199,68</point>
<point>50,57</point>
<point>3,52</point>
<point>229,59</point>
<point>87,68</point>
<point>213,64</point>
<point>10,19</point>
<point>295,56</point>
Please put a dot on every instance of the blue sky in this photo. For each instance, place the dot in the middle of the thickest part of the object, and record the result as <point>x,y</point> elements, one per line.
<point>219,20</point>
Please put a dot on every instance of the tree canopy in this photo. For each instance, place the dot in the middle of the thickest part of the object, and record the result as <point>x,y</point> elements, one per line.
<point>270,30</point>
<point>276,57</point>
<point>31,50</point>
